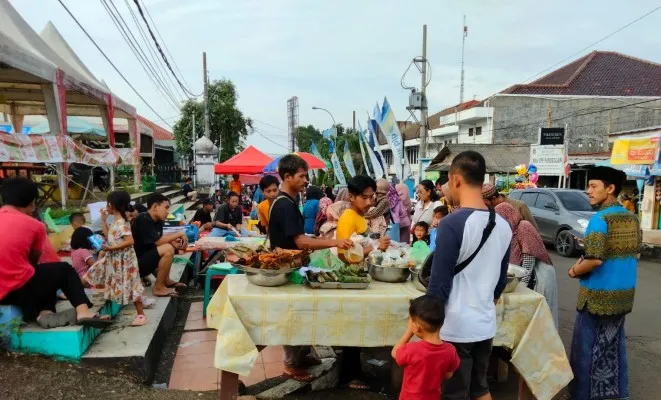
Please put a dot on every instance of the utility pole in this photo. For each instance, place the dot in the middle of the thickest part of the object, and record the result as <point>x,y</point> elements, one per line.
<point>463,46</point>
<point>206,95</point>
<point>193,163</point>
<point>422,153</point>
<point>354,121</point>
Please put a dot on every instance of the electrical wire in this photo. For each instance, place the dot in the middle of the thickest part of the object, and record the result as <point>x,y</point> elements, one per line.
<point>112,64</point>
<point>156,60</point>
<point>267,124</point>
<point>135,47</point>
<point>174,61</point>
<point>158,47</point>
<point>597,42</point>
<point>257,131</point>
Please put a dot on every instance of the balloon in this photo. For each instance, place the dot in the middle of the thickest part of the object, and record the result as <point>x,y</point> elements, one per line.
<point>521,169</point>
<point>532,168</point>
<point>518,179</point>
<point>534,177</point>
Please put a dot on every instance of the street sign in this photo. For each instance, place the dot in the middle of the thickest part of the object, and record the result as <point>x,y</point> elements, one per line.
<point>552,136</point>
<point>549,160</point>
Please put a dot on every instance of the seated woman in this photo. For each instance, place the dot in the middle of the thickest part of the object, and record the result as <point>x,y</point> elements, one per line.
<point>527,250</point>
<point>24,281</point>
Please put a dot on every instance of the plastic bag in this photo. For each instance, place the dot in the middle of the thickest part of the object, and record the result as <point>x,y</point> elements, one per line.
<point>419,252</point>
<point>325,259</point>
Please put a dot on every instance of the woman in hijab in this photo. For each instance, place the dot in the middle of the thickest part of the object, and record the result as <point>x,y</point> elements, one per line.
<point>333,214</point>
<point>378,216</point>
<point>405,219</point>
<point>311,208</point>
<point>324,203</point>
<point>527,250</point>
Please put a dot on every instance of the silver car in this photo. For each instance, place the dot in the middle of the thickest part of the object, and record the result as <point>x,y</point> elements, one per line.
<point>561,214</point>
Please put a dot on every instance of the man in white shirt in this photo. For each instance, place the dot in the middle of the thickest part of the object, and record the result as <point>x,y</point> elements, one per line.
<point>471,294</point>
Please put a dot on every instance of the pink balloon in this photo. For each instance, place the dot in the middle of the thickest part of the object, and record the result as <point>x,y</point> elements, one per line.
<point>534,177</point>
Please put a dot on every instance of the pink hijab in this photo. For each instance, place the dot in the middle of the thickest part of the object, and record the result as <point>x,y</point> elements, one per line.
<point>525,238</point>
<point>405,197</point>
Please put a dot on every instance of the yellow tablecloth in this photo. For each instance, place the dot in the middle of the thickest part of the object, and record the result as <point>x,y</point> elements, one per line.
<point>246,315</point>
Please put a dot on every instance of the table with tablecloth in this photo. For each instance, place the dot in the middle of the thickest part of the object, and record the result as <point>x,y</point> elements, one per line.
<point>246,315</point>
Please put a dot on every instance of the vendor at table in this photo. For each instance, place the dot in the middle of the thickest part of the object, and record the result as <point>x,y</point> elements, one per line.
<point>228,218</point>
<point>203,215</point>
<point>361,197</point>
<point>286,230</point>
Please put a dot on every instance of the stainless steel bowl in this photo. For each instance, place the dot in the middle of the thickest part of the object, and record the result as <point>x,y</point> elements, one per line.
<point>415,277</point>
<point>389,274</point>
<point>512,283</point>
<point>267,277</point>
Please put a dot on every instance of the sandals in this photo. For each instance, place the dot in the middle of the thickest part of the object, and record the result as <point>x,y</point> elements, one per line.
<point>140,320</point>
<point>56,320</point>
<point>297,375</point>
<point>180,287</point>
<point>146,282</point>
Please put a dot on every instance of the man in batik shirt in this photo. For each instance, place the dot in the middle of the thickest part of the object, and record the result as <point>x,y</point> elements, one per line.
<point>607,276</point>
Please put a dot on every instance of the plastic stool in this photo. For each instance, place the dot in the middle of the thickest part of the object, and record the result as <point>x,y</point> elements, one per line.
<point>210,274</point>
<point>252,224</point>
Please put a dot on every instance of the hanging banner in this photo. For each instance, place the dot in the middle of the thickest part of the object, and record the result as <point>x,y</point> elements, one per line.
<point>57,149</point>
<point>388,124</point>
<point>376,164</point>
<point>362,150</point>
<point>337,168</point>
<point>348,162</point>
<point>548,159</point>
<point>635,151</point>
<point>315,152</point>
<point>373,143</point>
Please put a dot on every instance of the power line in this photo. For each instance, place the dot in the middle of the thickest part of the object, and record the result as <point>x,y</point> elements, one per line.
<point>112,64</point>
<point>158,47</point>
<point>174,61</point>
<point>597,42</point>
<point>267,124</point>
<point>140,55</point>
<point>257,131</point>
<point>152,53</point>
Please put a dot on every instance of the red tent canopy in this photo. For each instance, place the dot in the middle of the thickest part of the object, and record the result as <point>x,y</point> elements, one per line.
<point>249,161</point>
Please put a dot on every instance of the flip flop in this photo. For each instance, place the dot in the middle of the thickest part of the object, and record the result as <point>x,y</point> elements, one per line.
<point>56,320</point>
<point>299,376</point>
<point>139,320</point>
<point>146,282</point>
<point>170,294</point>
<point>95,322</point>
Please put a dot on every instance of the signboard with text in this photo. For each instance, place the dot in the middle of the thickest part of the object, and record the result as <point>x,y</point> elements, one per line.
<point>635,151</point>
<point>549,160</point>
<point>552,136</point>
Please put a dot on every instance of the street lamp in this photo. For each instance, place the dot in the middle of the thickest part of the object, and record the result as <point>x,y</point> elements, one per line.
<point>329,113</point>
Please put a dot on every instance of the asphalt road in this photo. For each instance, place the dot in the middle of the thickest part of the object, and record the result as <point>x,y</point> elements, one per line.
<point>643,325</point>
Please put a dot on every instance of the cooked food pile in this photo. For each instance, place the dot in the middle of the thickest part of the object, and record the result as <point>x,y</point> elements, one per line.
<point>260,258</point>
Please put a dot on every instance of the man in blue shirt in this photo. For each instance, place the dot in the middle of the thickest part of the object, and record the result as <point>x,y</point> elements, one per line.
<point>607,278</point>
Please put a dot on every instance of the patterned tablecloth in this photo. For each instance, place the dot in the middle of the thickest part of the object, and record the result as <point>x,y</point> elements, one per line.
<point>246,315</point>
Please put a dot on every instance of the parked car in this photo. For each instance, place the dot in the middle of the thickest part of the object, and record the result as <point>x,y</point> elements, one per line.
<point>561,214</point>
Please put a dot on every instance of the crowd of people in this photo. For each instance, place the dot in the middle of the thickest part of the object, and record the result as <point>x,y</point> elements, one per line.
<point>474,232</point>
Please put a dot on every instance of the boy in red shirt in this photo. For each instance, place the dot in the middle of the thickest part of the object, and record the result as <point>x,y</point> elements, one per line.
<point>428,362</point>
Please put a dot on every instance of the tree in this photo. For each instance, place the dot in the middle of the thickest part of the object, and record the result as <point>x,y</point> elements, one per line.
<point>307,135</point>
<point>228,126</point>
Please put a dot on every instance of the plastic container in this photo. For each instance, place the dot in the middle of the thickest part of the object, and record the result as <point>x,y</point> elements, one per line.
<point>355,254</point>
<point>96,241</point>
<point>148,184</point>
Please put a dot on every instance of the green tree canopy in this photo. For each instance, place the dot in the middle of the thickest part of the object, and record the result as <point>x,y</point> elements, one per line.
<point>228,126</point>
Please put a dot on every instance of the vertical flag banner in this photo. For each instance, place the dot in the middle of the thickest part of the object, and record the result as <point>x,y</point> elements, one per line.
<point>337,168</point>
<point>315,152</point>
<point>312,175</point>
<point>348,162</point>
<point>388,124</point>
<point>373,144</point>
<point>329,133</point>
<point>362,150</point>
<point>376,164</point>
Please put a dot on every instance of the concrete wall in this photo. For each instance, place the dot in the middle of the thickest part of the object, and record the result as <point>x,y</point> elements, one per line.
<point>483,138</point>
<point>517,119</point>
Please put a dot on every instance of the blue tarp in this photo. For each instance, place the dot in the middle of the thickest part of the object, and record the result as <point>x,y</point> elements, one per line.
<point>75,126</point>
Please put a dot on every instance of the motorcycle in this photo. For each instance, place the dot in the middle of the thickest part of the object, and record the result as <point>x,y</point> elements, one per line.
<point>100,176</point>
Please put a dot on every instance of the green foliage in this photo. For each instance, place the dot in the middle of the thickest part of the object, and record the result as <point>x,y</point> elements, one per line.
<point>307,135</point>
<point>228,126</point>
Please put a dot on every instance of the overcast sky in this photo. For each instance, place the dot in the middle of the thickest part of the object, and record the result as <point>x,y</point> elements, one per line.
<point>345,55</point>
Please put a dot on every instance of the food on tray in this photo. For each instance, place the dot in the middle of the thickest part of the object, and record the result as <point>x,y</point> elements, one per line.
<point>260,258</point>
<point>347,274</point>
<point>394,258</point>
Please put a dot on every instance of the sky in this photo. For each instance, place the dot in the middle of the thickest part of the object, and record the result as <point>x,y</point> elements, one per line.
<point>344,55</point>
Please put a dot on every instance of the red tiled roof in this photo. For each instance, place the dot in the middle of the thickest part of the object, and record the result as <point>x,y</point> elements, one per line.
<point>600,73</point>
<point>159,132</point>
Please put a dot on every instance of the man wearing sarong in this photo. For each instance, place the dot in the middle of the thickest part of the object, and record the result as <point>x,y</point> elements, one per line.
<point>607,277</point>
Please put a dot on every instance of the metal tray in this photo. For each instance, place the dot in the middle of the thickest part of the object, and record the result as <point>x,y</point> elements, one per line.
<point>337,285</point>
<point>261,271</point>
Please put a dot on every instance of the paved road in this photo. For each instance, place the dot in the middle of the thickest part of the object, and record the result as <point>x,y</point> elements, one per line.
<point>643,325</point>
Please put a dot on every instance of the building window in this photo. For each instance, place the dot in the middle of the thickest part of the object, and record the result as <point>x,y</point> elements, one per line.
<point>388,157</point>
<point>412,154</point>
<point>478,130</point>
<point>470,131</point>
